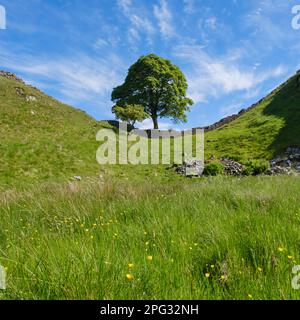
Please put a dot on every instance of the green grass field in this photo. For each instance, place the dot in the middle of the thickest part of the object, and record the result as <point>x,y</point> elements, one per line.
<point>209,238</point>
<point>143,232</point>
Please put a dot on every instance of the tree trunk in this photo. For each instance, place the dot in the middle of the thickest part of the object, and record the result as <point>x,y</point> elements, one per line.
<point>155,122</point>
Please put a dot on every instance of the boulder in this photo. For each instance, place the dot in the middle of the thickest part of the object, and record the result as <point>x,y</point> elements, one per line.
<point>31,98</point>
<point>286,164</point>
<point>191,168</point>
<point>232,167</point>
<point>10,76</point>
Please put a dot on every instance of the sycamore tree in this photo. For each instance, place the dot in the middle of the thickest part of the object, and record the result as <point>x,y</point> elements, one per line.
<point>157,85</point>
<point>131,113</point>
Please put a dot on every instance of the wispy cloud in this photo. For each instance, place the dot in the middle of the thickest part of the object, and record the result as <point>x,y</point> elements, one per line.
<point>230,110</point>
<point>189,6</point>
<point>164,17</point>
<point>148,124</point>
<point>266,21</point>
<point>125,5</point>
<point>77,79</point>
<point>215,76</point>
<point>139,22</point>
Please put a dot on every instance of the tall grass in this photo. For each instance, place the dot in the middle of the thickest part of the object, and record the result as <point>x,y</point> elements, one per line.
<point>219,238</point>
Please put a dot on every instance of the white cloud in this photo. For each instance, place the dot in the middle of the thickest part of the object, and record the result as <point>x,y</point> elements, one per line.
<point>139,22</point>
<point>230,110</point>
<point>267,25</point>
<point>211,23</point>
<point>100,43</point>
<point>215,76</point>
<point>133,35</point>
<point>189,6</point>
<point>125,5</point>
<point>148,124</point>
<point>78,78</point>
<point>164,17</point>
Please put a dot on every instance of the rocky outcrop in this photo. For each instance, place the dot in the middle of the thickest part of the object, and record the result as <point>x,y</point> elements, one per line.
<point>10,76</point>
<point>191,168</point>
<point>286,164</point>
<point>232,167</point>
<point>31,99</point>
<point>20,92</point>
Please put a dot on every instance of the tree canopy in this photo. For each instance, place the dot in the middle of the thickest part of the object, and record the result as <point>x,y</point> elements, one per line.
<point>157,85</point>
<point>130,113</point>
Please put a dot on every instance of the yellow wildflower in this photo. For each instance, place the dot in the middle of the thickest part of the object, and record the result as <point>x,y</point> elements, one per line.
<point>222,278</point>
<point>149,258</point>
<point>129,276</point>
<point>207,275</point>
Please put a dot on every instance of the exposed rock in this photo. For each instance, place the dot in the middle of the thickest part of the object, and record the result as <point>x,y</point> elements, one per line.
<point>191,168</point>
<point>20,92</point>
<point>278,170</point>
<point>286,164</point>
<point>293,151</point>
<point>10,76</point>
<point>31,98</point>
<point>232,167</point>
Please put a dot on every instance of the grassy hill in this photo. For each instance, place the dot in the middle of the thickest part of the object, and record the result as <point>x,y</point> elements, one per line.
<point>264,131</point>
<point>42,139</point>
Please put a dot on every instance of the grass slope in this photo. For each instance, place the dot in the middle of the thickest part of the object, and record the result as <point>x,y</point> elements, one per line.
<point>42,139</point>
<point>219,238</point>
<point>263,132</point>
<point>45,140</point>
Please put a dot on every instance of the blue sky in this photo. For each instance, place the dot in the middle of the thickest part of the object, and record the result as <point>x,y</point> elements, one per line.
<point>232,52</point>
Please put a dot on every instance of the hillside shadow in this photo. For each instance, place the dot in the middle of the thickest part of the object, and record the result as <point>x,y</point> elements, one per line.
<point>285,104</point>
